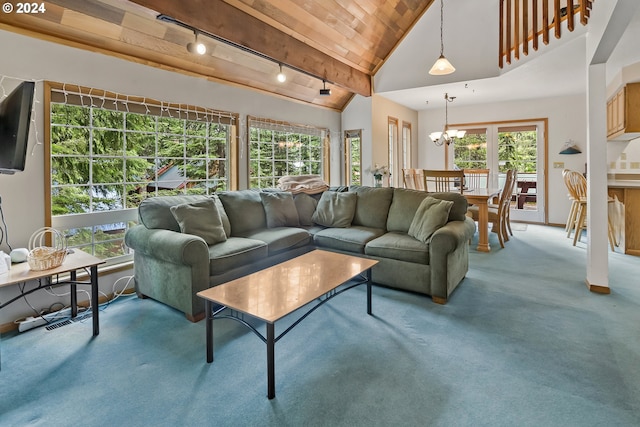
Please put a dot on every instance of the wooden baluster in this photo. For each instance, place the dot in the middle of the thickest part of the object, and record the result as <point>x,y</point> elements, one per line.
<point>545,21</point>
<point>501,35</point>
<point>525,27</point>
<point>516,28</point>
<point>556,18</point>
<point>570,24</point>
<point>534,22</point>
<point>584,14</point>
<point>508,46</point>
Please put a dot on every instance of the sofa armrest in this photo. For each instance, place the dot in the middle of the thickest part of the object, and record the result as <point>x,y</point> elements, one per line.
<point>448,258</point>
<point>448,237</point>
<point>167,245</point>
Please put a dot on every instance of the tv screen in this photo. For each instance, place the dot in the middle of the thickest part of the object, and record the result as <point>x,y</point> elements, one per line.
<point>15,117</point>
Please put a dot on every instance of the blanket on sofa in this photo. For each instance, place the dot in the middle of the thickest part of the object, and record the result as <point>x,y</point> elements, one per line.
<point>309,184</point>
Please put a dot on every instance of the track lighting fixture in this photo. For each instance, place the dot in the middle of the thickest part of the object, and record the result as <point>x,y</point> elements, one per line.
<point>324,91</point>
<point>196,46</point>
<point>282,77</point>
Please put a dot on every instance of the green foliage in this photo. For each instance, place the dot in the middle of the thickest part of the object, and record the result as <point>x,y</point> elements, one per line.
<point>516,150</point>
<point>104,160</point>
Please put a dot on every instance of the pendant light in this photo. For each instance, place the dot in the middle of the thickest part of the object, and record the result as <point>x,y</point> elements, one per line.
<point>442,66</point>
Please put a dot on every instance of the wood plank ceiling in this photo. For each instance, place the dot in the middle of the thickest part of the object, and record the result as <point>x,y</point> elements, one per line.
<point>341,41</point>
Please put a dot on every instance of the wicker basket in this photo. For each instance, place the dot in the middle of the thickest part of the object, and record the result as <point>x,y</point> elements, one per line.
<point>42,257</point>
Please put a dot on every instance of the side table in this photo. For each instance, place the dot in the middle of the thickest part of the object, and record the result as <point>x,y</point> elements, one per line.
<point>77,260</point>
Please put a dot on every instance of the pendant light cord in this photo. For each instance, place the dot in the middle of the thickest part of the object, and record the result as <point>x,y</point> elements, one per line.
<point>441,34</point>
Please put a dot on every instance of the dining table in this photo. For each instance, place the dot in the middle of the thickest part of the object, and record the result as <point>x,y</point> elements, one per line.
<point>481,197</point>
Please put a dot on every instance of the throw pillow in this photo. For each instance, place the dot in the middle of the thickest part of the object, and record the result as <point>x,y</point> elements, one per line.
<point>335,209</point>
<point>306,206</point>
<point>431,215</point>
<point>201,219</point>
<point>280,209</point>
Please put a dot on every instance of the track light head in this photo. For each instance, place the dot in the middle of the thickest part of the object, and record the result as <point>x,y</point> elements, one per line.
<point>196,46</point>
<point>282,77</point>
<point>324,91</point>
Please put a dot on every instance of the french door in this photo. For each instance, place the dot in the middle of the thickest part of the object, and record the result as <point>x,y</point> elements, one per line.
<point>509,145</point>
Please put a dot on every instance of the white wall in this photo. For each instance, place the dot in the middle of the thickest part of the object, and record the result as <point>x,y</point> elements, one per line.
<point>25,58</point>
<point>566,118</point>
<point>357,115</point>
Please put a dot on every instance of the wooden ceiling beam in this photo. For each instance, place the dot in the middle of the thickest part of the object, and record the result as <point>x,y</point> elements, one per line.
<point>229,23</point>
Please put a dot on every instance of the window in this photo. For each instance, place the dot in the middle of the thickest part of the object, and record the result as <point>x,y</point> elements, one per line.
<point>406,146</point>
<point>500,146</point>
<point>107,152</point>
<point>353,157</point>
<point>393,152</point>
<point>277,149</point>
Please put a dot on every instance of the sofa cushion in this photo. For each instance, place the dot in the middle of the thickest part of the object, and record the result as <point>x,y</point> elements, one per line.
<point>431,215</point>
<point>235,252</point>
<point>352,239</point>
<point>399,246</point>
<point>279,209</point>
<point>281,239</point>
<point>335,209</point>
<point>201,219</point>
<point>306,206</point>
<point>154,212</point>
<point>405,204</point>
<point>372,207</point>
<point>244,209</point>
<point>223,215</point>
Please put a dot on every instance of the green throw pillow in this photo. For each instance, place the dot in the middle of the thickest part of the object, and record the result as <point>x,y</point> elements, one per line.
<point>306,206</point>
<point>201,219</point>
<point>335,209</point>
<point>280,209</point>
<point>431,215</point>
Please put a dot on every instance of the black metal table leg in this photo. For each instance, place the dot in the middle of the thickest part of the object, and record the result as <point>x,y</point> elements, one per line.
<point>209,329</point>
<point>95,309</point>
<point>271,380</point>
<point>369,291</point>
<point>74,295</point>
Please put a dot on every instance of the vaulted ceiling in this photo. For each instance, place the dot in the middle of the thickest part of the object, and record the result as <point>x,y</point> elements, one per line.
<point>343,42</point>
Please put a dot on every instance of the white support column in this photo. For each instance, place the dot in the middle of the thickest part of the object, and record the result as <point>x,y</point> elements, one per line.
<point>597,212</point>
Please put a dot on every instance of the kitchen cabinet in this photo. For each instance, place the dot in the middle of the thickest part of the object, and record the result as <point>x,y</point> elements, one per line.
<point>623,114</point>
<point>629,195</point>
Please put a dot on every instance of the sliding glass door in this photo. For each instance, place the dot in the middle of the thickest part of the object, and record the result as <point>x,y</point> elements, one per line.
<point>503,146</point>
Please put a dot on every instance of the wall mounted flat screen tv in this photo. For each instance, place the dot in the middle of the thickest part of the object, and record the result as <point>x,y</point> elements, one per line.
<point>15,118</point>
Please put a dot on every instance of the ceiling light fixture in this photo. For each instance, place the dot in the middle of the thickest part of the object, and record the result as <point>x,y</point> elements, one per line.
<point>282,77</point>
<point>442,66</point>
<point>196,46</point>
<point>324,91</point>
<point>447,135</point>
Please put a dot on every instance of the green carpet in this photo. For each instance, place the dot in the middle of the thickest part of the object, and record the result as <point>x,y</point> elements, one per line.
<point>522,342</point>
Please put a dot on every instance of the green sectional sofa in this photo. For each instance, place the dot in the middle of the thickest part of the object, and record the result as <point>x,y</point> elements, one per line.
<point>184,244</point>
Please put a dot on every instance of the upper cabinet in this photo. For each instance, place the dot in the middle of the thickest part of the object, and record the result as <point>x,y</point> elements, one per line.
<point>623,114</point>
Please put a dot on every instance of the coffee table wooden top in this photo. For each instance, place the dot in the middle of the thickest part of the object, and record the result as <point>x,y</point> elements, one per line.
<point>274,292</point>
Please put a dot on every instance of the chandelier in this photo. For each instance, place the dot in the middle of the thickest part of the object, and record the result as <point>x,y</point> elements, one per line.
<point>447,135</point>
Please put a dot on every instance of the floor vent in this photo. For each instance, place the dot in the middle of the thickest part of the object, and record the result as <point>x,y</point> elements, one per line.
<point>57,325</point>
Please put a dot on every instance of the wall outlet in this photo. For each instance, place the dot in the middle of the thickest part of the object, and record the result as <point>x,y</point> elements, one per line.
<point>558,165</point>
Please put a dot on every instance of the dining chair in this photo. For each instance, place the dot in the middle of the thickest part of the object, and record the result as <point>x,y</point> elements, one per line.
<point>577,185</point>
<point>499,214</point>
<point>441,181</point>
<point>408,177</point>
<point>476,178</point>
<point>418,177</point>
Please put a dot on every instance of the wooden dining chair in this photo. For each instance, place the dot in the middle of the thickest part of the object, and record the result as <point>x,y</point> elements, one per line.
<point>441,181</point>
<point>409,178</point>
<point>418,176</point>
<point>499,213</point>
<point>577,185</point>
<point>476,178</point>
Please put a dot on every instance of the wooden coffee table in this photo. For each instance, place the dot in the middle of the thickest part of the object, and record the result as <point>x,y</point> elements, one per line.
<point>277,291</point>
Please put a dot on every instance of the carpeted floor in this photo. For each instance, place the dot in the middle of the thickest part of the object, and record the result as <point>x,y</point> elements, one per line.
<point>522,342</point>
